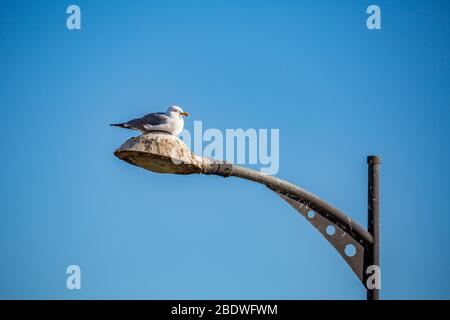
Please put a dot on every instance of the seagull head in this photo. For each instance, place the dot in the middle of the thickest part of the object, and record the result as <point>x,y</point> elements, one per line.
<point>176,111</point>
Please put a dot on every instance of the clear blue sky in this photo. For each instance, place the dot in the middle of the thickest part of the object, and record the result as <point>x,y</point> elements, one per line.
<point>337,91</point>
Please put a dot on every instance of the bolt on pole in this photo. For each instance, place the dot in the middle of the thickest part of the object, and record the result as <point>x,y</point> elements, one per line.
<point>373,221</point>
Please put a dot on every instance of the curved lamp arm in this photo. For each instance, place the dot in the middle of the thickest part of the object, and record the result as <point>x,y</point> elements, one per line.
<point>165,153</point>
<point>337,228</point>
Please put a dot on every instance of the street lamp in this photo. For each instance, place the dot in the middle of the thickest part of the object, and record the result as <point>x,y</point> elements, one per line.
<point>165,153</point>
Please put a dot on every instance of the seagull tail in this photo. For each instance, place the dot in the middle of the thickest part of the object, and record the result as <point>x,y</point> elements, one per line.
<point>122,125</point>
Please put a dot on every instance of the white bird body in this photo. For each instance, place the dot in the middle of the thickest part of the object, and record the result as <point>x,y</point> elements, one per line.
<point>170,122</point>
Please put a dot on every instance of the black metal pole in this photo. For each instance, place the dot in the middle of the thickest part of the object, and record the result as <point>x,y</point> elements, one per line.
<point>373,258</point>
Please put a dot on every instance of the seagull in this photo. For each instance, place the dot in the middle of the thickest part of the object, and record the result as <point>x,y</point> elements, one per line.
<point>170,122</point>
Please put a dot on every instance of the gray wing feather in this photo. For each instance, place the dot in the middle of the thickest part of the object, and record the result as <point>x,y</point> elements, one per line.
<point>152,119</point>
<point>155,119</point>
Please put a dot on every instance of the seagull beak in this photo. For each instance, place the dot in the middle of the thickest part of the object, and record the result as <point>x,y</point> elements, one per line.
<point>185,114</point>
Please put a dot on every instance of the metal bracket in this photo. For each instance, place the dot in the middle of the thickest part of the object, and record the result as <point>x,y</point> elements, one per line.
<point>338,238</point>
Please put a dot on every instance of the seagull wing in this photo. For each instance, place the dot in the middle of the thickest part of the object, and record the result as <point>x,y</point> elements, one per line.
<point>147,122</point>
<point>155,119</point>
